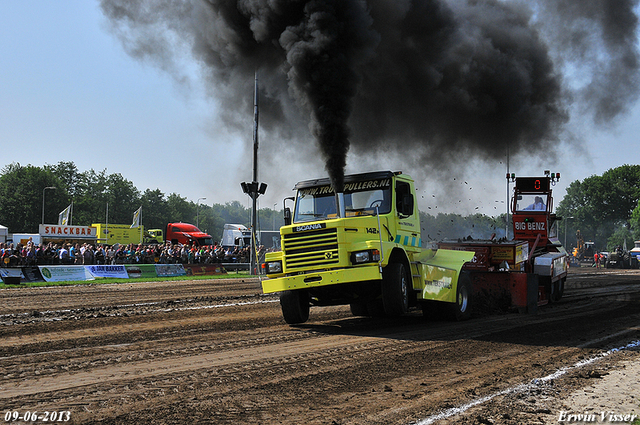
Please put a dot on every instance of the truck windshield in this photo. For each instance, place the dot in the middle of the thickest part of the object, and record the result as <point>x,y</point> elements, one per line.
<point>532,202</point>
<point>319,203</point>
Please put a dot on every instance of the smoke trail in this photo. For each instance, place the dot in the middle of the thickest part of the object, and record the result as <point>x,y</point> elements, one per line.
<point>463,82</point>
<point>322,52</point>
<point>601,39</point>
<point>436,80</point>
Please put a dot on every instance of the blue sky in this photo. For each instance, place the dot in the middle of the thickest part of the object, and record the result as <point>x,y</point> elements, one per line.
<point>71,93</point>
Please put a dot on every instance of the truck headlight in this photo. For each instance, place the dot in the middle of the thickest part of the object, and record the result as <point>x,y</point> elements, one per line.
<point>274,267</point>
<point>368,256</point>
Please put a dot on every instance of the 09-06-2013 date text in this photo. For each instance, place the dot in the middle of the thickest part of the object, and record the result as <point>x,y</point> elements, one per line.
<point>46,416</point>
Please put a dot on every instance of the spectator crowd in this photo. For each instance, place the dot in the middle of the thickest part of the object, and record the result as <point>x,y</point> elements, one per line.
<point>32,254</point>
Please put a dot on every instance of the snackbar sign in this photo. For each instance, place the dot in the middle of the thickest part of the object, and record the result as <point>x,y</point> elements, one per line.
<point>68,232</point>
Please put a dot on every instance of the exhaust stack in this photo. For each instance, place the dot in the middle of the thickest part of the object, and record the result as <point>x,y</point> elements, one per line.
<point>340,204</point>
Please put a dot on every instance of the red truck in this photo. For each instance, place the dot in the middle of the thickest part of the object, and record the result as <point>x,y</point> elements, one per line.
<point>187,234</point>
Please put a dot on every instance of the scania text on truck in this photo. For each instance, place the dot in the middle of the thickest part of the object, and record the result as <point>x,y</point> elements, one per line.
<point>362,247</point>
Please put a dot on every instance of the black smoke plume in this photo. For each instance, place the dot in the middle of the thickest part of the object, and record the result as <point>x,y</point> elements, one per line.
<point>434,79</point>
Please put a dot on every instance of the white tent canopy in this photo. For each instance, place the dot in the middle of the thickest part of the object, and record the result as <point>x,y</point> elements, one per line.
<point>4,233</point>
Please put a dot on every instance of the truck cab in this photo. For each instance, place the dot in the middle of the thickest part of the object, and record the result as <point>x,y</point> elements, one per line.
<point>532,207</point>
<point>534,222</point>
<point>235,235</point>
<point>323,222</point>
<point>154,236</point>
<point>187,234</point>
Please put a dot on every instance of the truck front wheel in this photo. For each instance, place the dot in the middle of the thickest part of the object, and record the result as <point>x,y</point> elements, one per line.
<point>395,290</point>
<point>295,306</point>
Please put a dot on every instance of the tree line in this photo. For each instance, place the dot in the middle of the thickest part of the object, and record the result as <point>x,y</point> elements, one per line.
<point>604,208</point>
<point>31,195</point>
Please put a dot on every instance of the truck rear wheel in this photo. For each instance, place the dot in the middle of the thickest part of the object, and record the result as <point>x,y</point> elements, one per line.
<point>395,290</point>
<point>375,308</point>
<point>359,308</point>
<point>557,290</point>
<point>295,306</point>
<point>461,309</point>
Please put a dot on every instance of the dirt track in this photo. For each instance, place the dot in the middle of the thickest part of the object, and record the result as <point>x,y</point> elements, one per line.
<point>219,352</point>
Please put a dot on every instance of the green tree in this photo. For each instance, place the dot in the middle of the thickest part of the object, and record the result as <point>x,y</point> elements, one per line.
<point>179,209</point>
<point>455,226</point>
<point>634,222</point>
<point>204,218</point>
<point>234,212</point>
<point>90,198</point>
<point>621,237</point>
<point>68,174</point>
<point>21,197</point>
<point>123,198</point>
<point>154,209</point>
<point>602,205</point>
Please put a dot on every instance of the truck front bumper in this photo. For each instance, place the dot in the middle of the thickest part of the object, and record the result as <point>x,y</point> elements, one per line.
<point>323,278</point>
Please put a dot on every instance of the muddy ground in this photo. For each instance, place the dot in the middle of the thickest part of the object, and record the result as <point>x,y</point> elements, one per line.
<point>219,352</point>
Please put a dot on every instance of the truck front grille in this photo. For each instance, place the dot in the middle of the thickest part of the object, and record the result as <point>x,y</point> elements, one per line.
<point>314,249</point>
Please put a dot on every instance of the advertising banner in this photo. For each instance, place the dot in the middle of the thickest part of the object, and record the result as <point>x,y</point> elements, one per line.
<point>116,271</point>
<point>12,272</point>
<point>141,271</point>
<point>11,276</point>
<point>203,269</point>
<point>170,270</point>
<point>64,273</point>
<point>32,274</point>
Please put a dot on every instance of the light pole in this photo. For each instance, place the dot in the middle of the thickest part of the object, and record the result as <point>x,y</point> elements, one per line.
<point>274,215</point>
<point>198,212</point>
<point>511,178</point>
<point>43,190</point>
<point>565,232</point>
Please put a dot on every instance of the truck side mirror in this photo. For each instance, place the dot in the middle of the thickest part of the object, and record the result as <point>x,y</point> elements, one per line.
<point>287,216</point>
<point>407,205</point>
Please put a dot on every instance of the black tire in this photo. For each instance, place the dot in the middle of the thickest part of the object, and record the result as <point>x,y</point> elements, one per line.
<point>431,310</point>
<point>461,309</point>
<point>557,290</point>
<point>395,290</point>
<point>375,308</point>
<point>359,309</point>
<point>561,287</point>
<point>295,306</point>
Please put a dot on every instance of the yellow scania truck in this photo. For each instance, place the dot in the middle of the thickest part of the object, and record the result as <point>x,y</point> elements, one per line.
<point>362,247</point>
